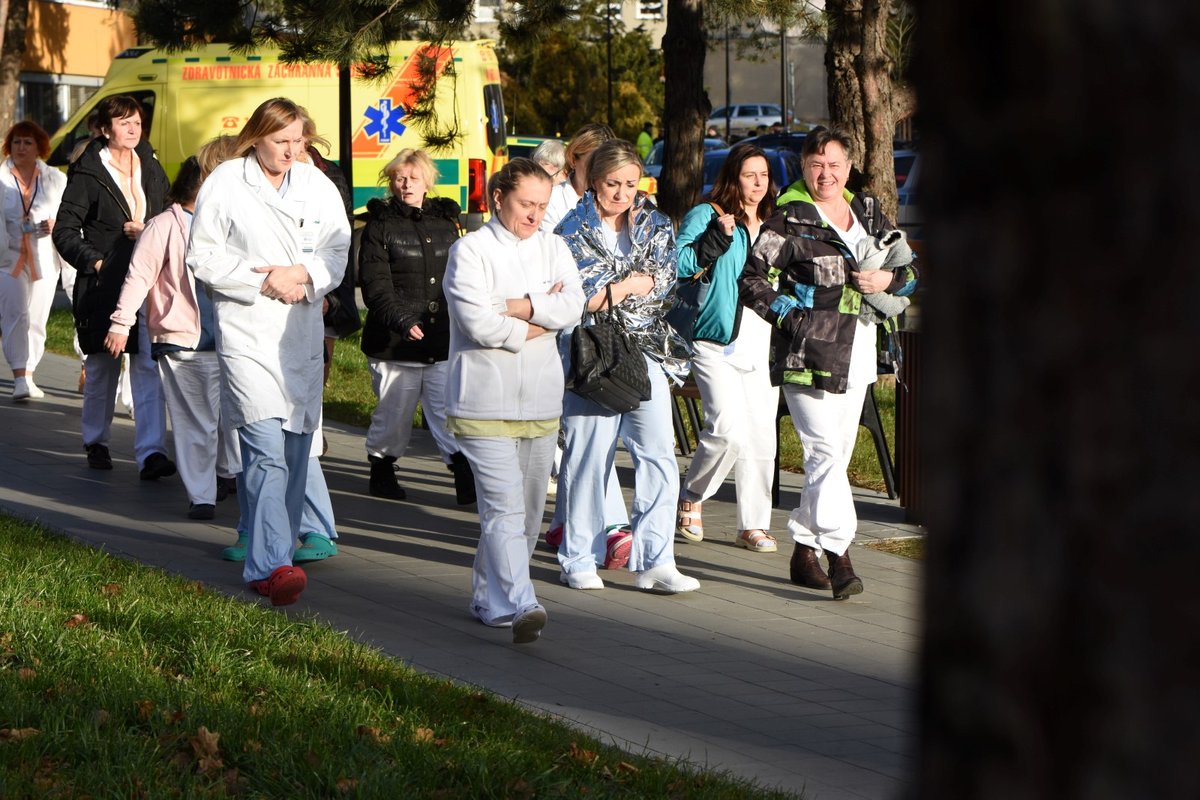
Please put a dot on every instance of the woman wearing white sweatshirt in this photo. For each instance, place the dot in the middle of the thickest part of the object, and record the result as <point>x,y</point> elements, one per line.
<point>509,287</point>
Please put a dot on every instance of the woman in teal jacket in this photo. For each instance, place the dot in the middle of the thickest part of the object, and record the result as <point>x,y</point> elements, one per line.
<point>730,353</point>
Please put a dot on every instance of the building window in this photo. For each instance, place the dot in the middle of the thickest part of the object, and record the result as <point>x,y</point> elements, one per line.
<point>487,10</point>
<point>50,100</point>
<point>650,9</point>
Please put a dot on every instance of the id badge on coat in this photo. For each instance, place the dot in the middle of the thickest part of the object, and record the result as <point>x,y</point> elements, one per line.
<point>308,236</point>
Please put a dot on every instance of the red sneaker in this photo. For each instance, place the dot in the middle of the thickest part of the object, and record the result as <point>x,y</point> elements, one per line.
<point>283,586</point>
<point>619,544</point>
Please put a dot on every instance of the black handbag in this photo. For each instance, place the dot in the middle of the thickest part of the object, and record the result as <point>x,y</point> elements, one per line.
<point>606,367</point>
<point>690,294</point>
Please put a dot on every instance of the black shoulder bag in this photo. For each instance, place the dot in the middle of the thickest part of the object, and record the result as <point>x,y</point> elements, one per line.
<point>606,367</point>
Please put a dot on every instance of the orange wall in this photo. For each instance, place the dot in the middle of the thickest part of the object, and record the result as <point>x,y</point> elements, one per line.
<point>77,40</point>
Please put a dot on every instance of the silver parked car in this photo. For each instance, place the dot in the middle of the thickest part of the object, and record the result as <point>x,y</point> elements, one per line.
<point>746,118</point>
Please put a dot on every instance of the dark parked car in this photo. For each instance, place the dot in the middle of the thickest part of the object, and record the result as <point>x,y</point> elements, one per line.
<point>654,161</point>
<point>784,166</point>
<point>788,140</point>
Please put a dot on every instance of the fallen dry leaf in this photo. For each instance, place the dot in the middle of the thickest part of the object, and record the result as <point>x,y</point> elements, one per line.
<point>374,734</point>
<point>251,746</point>
<point>100,717</point>
<point>520,789</point>
<point>577,753</point>
<point>625,766</point>
<point>347,785</point>
<point>205,747</point>
<point>75,620</point>
<point>26,674</point>
<point>423,735</point>
<point>145,708</point>
<point>17,734</point>
<point>111,589</point>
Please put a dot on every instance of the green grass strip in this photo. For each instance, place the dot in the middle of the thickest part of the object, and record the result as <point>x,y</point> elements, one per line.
<point>119,680</point>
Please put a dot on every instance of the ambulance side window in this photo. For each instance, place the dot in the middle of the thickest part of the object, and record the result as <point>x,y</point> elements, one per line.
<point>493,101</point>
<point>81,134</point>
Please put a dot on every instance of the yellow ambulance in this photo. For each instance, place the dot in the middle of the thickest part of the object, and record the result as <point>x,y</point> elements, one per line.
<point>194,95</point>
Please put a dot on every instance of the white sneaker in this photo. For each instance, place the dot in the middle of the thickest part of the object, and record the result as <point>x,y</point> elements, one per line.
<point>581,580</point>
<point>665,579</point>
<point>34,392</point>
<point>20,391</point>
<point>552,487</point>
<point>527,625</point>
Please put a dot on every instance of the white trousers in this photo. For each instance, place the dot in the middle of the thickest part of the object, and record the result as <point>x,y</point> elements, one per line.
<point>14,319</point>
<point>100,394</point>
<point>41,297</point>
<point>510,483</point>
<point>399,385</point>
<point>827,425</point>
<point>739,435</point>
<point>191,383</point>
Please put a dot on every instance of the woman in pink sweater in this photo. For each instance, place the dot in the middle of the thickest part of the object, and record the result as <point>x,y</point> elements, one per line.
<point>180,323</point>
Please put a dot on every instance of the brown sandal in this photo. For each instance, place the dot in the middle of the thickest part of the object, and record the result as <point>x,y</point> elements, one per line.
<point>688,523</point>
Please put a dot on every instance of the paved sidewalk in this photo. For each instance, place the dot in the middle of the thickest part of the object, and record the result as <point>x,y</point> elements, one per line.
<point>750,674</point>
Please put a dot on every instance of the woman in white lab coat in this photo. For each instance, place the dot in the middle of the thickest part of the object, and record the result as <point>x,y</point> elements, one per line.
<point>269,239</point>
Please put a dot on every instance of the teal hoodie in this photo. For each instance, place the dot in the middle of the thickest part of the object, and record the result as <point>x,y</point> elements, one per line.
<point>719,318</point>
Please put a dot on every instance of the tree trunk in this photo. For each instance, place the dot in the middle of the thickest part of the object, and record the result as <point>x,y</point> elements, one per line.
<point>1062,620</point>
<point>685,109</point>
<point>879,121</point>
<point>860,90</point>
<point>11,53</point>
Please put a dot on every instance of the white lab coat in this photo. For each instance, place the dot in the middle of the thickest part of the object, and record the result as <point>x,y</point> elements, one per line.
<point>50,186</point>
<point>270,352</point>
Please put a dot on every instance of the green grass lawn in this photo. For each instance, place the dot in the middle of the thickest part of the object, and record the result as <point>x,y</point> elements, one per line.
<point>348,399</point>
<point>119,680</point>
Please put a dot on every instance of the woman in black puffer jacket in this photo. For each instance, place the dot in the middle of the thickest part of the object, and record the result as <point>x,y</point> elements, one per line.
<point>406,338</point>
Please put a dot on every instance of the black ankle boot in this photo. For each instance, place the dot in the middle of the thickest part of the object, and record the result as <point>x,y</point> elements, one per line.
<point>841,575</point>
<point>383,478</point>
<point>806,569</point>
<point>464,479</point>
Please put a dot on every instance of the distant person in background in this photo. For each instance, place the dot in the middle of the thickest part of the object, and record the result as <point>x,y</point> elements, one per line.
<point>776,127</point>
<point>112,189</point>
<point>402,260</point>
<point>730,352</point>
<point>179,321</point>
<point>566,195</point>
<point>510,287</point>
<point>645,141</point>
<point>269,239</point>
<point>552,156</point>
<point>31,267</point>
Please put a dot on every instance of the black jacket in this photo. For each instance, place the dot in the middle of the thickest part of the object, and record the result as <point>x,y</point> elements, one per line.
<point>342,314</point>
<point>401,265</point>
<point>89,229</point>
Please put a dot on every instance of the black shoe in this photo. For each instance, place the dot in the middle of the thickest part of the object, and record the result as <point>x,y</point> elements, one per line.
<point>225,487</point>
<point>98,457</point>
<point>383,479</point>
<point>806,569</point>
<point>464,479</point>
<point>157,466</point>
<point>201,511</point>
<point>841,575</point>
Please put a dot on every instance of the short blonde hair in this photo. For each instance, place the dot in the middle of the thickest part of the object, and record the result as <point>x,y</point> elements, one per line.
<point>407,157</point>
<point>271,116</point>
<point>214,151</point>
<point>585,140</point>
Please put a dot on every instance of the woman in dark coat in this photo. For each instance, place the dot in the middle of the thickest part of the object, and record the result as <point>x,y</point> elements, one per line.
<point>112,189</point>
<point>406,338</point>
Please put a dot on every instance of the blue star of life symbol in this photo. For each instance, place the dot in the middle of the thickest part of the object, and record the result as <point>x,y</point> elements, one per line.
<point>384,120</point>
